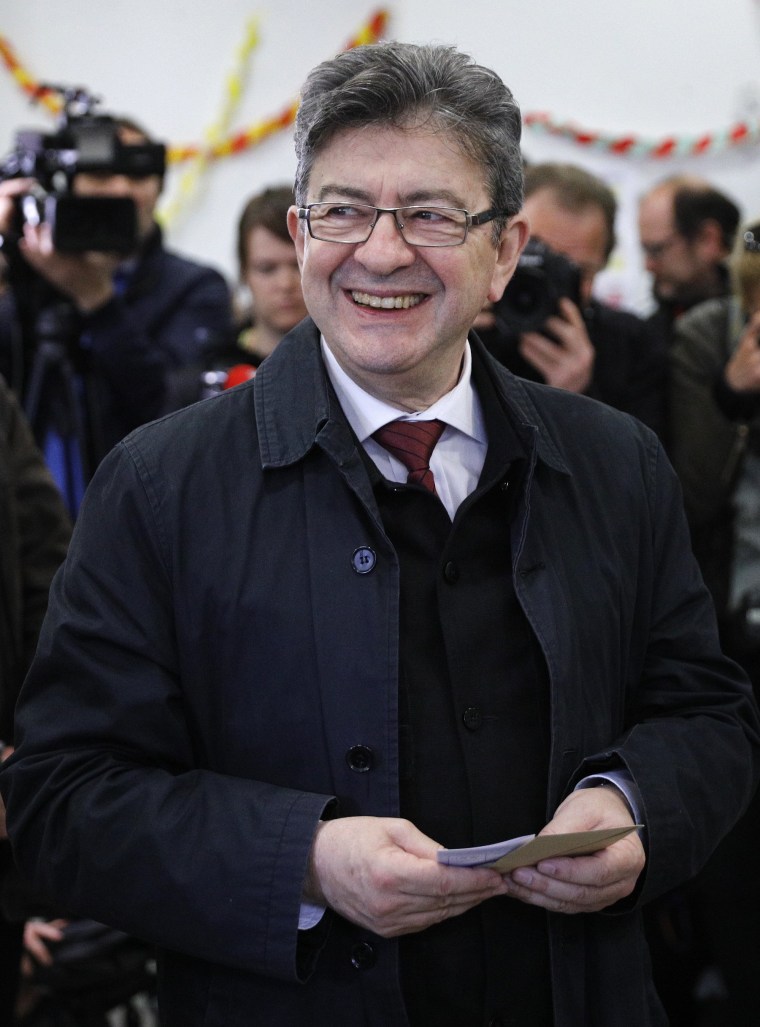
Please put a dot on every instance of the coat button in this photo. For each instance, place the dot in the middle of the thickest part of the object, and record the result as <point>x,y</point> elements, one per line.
<point>451,572</point>
<point>363,560</point>
<point>360,758</point>
<point>472,718</point>
<point>363,956</point>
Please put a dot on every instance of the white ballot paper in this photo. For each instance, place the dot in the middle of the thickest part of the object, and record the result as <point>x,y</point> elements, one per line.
<point>531,849</point>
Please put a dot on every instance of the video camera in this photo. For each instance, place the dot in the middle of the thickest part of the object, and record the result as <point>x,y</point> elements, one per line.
<point>83,142</point>
<point>541,279</point>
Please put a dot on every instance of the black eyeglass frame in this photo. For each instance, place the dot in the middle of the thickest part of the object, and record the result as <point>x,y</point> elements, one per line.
<point>471,220</point>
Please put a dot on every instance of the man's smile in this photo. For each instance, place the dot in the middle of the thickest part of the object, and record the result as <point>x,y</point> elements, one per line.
<point>401,302</point>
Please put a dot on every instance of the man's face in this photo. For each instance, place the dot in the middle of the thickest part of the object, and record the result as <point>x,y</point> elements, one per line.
<point>581,236</point>
<point>144,192</point>
<point>396,317</point>
<point>682,271</point>
<point>274,280</point>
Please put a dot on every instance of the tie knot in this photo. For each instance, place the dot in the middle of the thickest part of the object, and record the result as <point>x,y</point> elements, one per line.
<point>412,442</point>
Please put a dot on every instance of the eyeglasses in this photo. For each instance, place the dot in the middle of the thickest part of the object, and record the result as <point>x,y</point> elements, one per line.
<point>352,223</point>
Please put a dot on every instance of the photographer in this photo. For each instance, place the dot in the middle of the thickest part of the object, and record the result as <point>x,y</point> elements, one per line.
<point>90,339</point>
<point>573,341</point>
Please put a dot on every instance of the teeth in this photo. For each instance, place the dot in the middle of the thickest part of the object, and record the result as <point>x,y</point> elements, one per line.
<point>387,302</point>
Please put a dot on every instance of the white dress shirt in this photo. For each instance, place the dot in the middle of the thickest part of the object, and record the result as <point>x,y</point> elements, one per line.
<point>457,459</point>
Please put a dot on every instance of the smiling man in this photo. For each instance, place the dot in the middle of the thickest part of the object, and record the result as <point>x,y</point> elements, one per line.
<point>397,314</point>
<point>384,599</point>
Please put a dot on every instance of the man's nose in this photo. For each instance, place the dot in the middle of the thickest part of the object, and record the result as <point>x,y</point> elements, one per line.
<point>386,247</point>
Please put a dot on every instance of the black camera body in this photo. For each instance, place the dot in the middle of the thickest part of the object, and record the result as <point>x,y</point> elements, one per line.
<point>83,142</point>
<point>541,279</point>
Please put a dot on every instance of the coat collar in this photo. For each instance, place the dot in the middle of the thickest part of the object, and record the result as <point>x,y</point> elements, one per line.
<point>296,407</point>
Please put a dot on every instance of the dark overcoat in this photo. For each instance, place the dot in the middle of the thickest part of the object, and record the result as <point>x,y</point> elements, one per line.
<point>212,657</point>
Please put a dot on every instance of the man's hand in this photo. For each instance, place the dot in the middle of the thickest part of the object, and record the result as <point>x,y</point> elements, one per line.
<point>382,874</point>
<point>742,372</point>
<point>36,935</point>
<point>567,363</point>
<point>86,278</point>
<point>9,191</point>
<point>583,884</point>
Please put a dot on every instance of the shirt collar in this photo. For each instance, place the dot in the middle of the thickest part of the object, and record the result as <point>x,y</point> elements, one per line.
<point>460,407</point>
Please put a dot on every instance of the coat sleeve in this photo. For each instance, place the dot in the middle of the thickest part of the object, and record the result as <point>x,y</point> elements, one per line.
<point>111,810</point>
<point>692,741</point>
<point>706,448</point>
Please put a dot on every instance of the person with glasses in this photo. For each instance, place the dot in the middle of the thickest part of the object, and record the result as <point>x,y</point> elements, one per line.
<point>383,601</point>
<point>686,230</point>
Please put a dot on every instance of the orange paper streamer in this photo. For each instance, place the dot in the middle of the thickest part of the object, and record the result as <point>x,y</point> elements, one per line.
<point>238,142</point>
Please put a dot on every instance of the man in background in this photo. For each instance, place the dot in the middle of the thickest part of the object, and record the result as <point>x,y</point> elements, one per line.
<point>585,346</point>
<point>686,229</point>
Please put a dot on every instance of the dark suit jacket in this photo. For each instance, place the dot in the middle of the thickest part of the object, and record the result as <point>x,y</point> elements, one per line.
<point>212,659</point>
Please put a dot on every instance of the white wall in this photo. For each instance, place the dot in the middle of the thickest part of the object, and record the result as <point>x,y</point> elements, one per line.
<point>653,69</point>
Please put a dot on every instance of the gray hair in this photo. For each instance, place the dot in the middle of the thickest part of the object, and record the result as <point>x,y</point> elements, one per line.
<point>403,85</point>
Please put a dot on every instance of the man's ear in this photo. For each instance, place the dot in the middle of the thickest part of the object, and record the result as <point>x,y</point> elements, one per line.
<point>709,241</point>
<point>511,244</point>
<point>294,229</point>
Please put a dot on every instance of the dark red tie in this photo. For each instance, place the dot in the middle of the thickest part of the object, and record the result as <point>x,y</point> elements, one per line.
<point>412,442</point>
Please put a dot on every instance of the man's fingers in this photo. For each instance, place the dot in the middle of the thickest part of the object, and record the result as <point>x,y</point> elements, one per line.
<point>580,884</point>
<point>383,873</point>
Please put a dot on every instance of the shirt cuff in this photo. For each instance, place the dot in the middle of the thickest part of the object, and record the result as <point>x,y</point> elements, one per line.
<point>623,781</point>
<point>309,915</point>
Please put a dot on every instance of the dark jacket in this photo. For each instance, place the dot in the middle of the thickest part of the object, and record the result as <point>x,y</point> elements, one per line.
<point>34,534</point>
<point>663,320</point>
<point>630,370</point>
<point>630,364</point>
<point>171,311</point>
<point>225,657</point>
<point>712,429</point>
